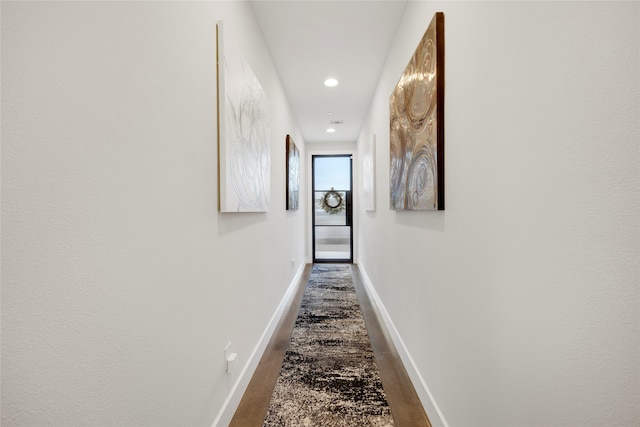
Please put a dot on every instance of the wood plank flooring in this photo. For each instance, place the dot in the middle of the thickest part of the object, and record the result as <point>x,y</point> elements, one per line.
<point>404,403</point>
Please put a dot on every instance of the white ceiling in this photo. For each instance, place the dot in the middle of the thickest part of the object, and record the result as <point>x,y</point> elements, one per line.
<point>311,41</point>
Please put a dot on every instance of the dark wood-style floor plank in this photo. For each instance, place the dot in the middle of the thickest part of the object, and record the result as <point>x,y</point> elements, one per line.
<point>255,402</point>
<point>405,405</point>
<point>403,400</point>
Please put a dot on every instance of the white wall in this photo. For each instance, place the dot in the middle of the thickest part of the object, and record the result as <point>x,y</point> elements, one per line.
<point>519,303</point>
<point>121,282</point>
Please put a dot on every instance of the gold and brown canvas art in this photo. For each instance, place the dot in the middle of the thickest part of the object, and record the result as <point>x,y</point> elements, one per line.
<point>417,126</point>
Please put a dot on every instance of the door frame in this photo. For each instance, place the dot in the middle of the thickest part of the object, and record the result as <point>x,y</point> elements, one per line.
<point>354,189</point>
<point>349,212</point>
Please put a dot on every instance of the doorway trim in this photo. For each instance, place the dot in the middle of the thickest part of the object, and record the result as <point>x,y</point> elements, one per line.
<point>309,199</point>
<point>348,214</point>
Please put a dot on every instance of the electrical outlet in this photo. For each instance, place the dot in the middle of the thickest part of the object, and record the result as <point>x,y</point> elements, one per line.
<point>229,357</point>
<point>293,262</point>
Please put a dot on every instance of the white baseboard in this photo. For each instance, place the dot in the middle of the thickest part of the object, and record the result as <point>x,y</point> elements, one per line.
<point>233,400</point>
<point>427,399</point>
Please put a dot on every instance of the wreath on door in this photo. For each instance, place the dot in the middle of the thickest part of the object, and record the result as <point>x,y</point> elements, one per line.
<point>332,202</point>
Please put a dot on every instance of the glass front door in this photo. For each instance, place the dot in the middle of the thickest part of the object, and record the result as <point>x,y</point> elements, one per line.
<point>332,208</point>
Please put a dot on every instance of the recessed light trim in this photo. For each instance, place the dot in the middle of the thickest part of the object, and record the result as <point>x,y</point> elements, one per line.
<point>331,130</point>
<point>331,82</point>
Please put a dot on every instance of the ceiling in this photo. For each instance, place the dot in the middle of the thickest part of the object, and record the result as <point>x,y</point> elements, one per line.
<point>311,41</point>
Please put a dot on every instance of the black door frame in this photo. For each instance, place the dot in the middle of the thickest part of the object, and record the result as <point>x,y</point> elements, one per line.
<point>348,213</point>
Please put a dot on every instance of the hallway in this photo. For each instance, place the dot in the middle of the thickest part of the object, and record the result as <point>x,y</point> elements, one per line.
<point>403,401</point>
<point>123,283</point>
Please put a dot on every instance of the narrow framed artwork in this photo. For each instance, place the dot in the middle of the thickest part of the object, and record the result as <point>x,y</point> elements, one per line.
<point>244,159</point>
<point>369,176</point>
<point>293,174</point>
<point>417,126</point>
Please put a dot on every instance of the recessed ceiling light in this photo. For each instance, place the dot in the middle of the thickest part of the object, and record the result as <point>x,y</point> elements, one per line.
<point>331,130</point>
<point>331,82</point>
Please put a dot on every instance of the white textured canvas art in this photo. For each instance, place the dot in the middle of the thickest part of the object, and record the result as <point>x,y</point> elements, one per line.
<point>369,176</point>
<point>243,135</point>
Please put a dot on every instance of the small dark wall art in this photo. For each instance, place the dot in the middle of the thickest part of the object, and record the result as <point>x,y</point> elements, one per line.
<point>417,126</point>
<point>293,174</point>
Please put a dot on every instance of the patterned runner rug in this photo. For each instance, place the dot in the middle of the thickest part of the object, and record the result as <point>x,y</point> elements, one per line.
<point>329,377</point>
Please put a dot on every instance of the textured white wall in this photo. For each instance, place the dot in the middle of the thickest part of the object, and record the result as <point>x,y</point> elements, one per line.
<point>121,283</point>
<point>519,303</point>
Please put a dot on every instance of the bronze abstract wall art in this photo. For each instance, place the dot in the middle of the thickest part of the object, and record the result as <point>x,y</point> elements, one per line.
<point>293,174</point>
<point>417,126</point>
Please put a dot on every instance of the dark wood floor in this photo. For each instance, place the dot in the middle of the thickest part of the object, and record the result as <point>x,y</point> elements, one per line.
<point>405,406</point>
